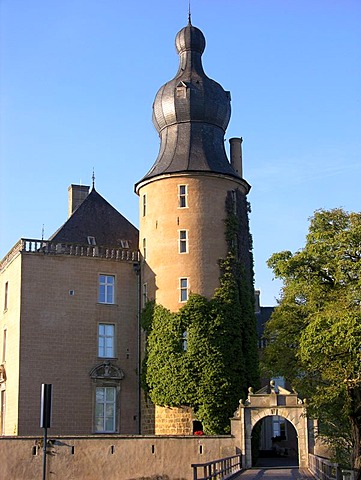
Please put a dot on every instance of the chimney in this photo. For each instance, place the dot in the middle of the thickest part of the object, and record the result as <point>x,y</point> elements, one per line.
<point>236,154</point>
<point>76,195</point>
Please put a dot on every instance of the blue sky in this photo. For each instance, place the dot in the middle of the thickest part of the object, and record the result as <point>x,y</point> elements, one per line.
<point>78,79</point>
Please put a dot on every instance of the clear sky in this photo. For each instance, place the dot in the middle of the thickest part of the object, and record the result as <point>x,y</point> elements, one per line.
<point>78,79</point>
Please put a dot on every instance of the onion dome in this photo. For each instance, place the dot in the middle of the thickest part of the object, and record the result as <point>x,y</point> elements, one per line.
<point>191,113</point>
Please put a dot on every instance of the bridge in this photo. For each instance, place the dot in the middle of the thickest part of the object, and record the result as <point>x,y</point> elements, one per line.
<point>231,468</point>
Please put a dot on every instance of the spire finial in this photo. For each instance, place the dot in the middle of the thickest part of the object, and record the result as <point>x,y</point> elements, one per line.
<point>93,179</point>
<point>189,13</point>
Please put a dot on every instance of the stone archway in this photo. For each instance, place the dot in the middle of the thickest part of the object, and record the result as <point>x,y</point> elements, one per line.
<point>271,401</point>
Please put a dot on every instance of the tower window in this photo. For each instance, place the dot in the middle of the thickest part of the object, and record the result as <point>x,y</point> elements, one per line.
<point>183,241</point>
<point>182,196</point>
<point>185,341</point>
<point>106,288</point>
<point>144,248</point>
<point>144,205</point>
<point>234,200</point>
<point>6,296</point>
<point>183,287</point>
<point>106,340</point>
<point>144,294</point>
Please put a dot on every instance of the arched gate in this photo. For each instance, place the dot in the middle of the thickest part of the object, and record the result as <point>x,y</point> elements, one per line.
<point>271,401</point>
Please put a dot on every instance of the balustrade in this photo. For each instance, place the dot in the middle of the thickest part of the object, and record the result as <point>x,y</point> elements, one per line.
<point>51,248</point>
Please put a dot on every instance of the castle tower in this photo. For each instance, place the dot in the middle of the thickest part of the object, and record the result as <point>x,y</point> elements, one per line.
<point>182,197</point>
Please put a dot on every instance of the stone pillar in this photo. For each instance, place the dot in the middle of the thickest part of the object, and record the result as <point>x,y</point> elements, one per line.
<point>238,430</point>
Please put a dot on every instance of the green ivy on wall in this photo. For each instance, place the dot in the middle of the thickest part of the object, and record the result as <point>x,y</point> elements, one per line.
<point>205,355</point>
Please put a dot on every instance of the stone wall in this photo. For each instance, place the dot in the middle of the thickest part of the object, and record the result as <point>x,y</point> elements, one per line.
<point>112,457</point>
<point>173,420</point>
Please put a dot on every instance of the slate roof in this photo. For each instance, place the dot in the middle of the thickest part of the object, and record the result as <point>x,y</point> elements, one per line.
<point>191,113</point>
<point>95,217</point>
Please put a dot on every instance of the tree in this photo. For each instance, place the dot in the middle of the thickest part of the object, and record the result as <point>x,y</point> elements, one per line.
<point>314,335</point>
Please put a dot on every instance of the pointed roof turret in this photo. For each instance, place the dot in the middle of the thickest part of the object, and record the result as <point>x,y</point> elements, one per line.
<point>191,113</point>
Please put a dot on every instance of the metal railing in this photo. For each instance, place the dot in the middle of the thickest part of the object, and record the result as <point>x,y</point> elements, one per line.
<point>218,469</point>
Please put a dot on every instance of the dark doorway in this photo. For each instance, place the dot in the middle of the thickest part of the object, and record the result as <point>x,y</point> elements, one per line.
<point>274,443</point>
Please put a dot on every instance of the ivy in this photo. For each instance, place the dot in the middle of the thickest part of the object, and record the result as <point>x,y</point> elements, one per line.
<point>221,361</point>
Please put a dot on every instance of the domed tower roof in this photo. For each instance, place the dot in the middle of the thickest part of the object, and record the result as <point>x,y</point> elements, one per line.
<point>191,113</point>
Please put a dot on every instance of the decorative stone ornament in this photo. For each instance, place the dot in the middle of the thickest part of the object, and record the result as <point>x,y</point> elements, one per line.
<point>107,371</point>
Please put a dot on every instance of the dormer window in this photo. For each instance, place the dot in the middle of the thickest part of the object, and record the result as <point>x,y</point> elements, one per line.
<point>124,243</point>
<point>181,90</point>
<point>92,241</point>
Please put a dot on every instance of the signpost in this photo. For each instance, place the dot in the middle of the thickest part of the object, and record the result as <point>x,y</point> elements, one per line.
<point>45,416</point>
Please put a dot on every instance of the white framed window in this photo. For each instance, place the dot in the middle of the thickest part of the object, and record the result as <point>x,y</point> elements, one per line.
<point>92,241</point>
<point>106,340</point>
<point>105,409</point>
<point>144,248</point>
<point>183,241</point>
<point>144,205</point>
<point>183,289</point>
<point>6,294</point>
<point>106,288</point>
<point>144,294</point>
<point>182,196</point>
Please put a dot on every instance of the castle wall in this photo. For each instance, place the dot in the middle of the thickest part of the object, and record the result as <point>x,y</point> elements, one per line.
<point>113,458</point>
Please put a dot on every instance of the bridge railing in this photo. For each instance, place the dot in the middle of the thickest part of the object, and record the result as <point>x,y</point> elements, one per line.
<point>218,469</point>
<point>324,469</point>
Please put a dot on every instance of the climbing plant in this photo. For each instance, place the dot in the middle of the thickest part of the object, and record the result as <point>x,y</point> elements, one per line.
<point>205,355</point>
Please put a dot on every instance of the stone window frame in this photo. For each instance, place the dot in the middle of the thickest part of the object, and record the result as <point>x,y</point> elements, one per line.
<point>107,375</point>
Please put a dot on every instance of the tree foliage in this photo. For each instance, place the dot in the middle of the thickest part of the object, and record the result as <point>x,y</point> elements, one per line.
<point>314,335</point>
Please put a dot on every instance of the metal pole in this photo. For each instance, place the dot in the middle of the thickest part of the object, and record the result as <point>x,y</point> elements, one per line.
<point>44,452</point>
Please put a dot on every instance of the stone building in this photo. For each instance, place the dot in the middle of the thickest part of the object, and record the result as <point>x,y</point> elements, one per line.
<point>72,303</point>
<point>70,318</point>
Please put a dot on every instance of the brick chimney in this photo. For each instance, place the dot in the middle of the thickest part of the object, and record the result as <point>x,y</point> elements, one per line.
<point>76,195</point>
<point>236,154</point>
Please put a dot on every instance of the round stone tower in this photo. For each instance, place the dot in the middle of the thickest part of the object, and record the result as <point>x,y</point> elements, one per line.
<point>183,196</point>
